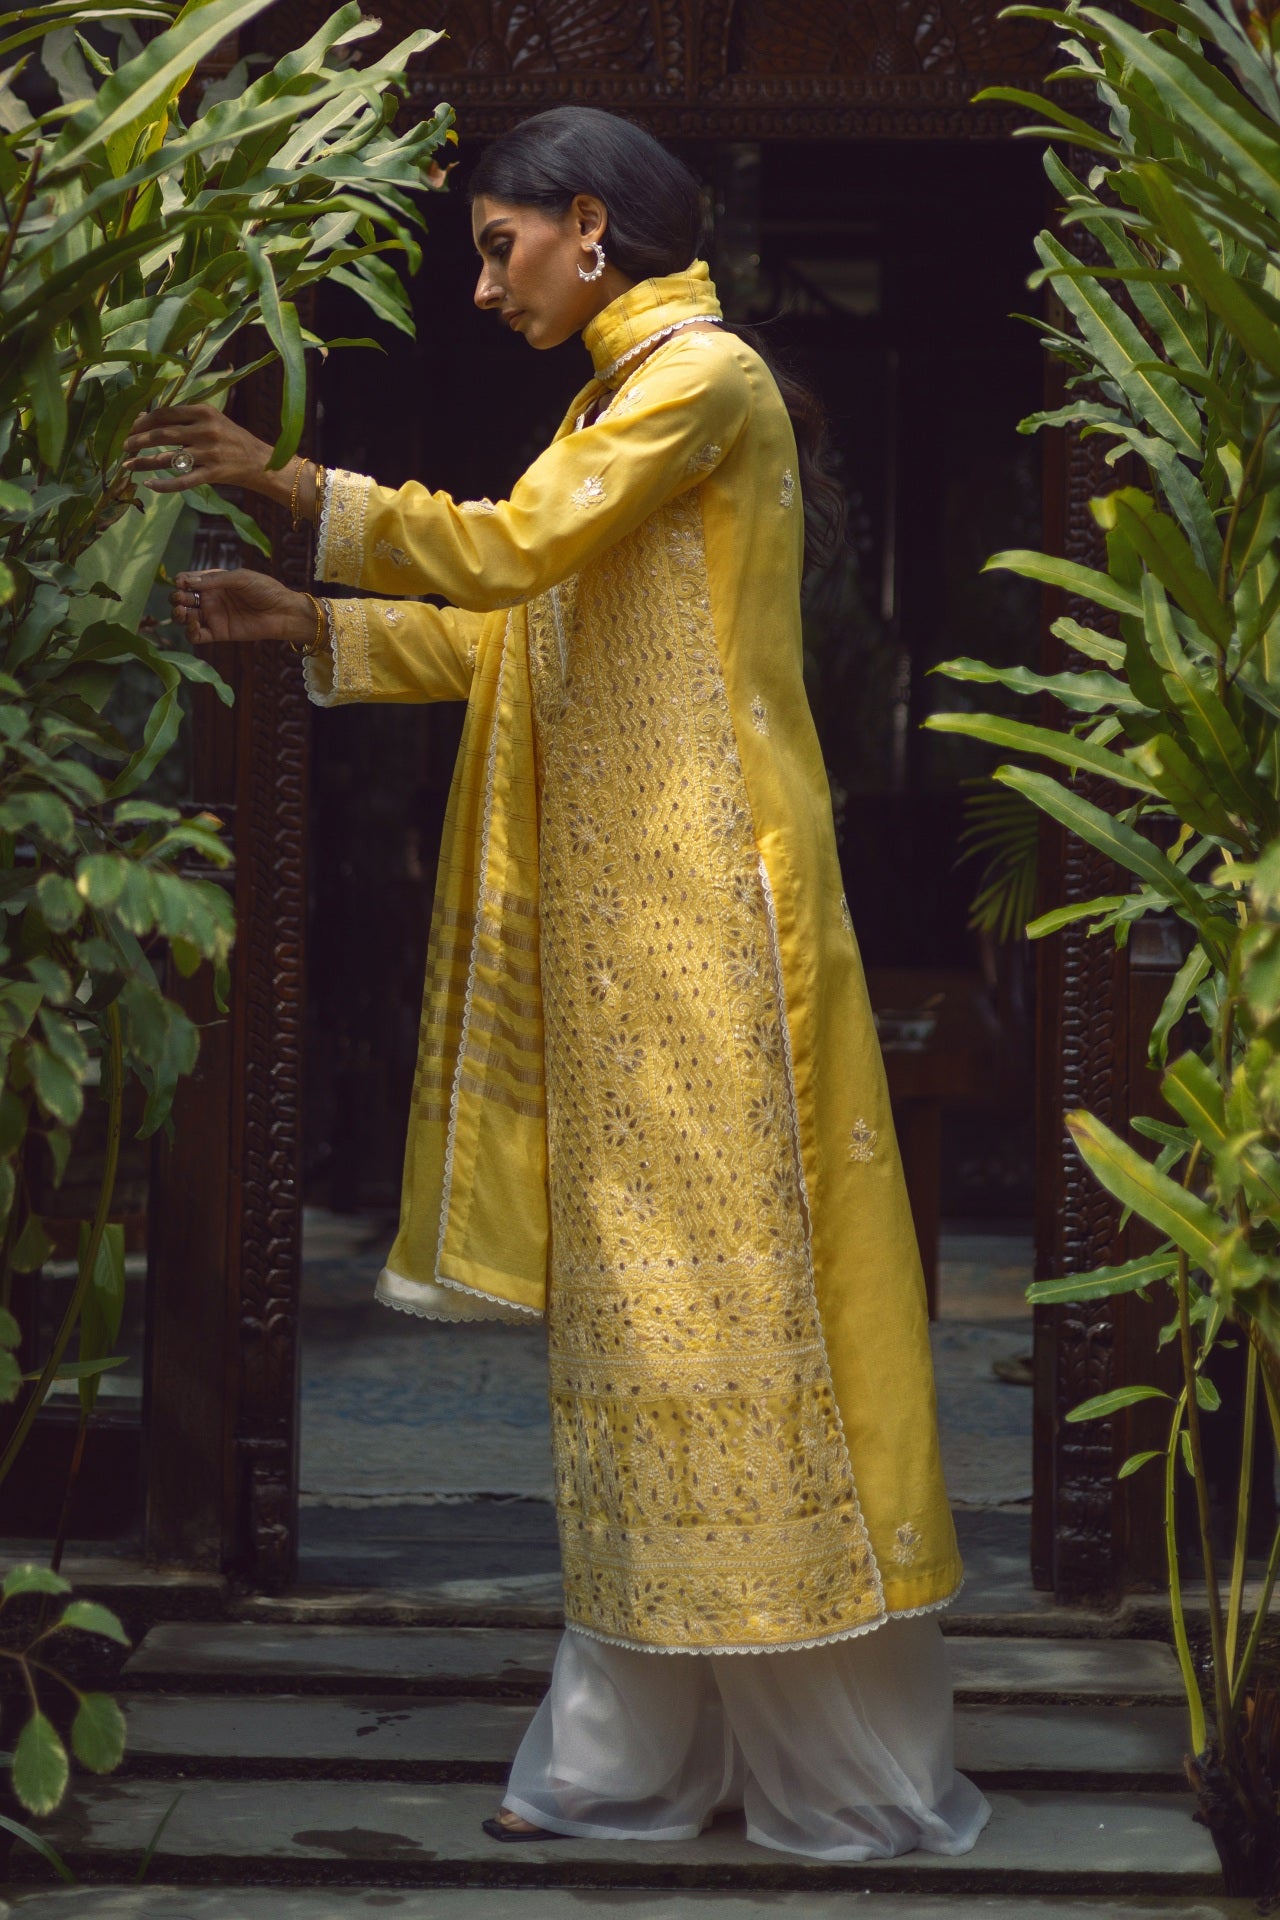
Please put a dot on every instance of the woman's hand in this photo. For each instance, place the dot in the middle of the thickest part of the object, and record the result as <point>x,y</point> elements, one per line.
<point>223,454</point>
<point>241,604</point>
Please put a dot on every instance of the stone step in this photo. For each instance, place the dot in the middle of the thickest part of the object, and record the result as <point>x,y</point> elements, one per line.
<point>237,1657</point>
<point>283,1736</point>
<point>534,1903</point>
<point>358,1833</point>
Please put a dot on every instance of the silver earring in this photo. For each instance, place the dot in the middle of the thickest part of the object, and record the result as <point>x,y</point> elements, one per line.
<point>593,273</point>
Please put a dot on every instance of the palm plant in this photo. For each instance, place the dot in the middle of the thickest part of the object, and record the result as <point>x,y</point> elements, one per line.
<point>1167,758</point>
<point>139,240</point>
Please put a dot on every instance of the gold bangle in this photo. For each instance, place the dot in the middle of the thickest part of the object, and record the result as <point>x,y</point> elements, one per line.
<point>319,501</point>
<point>293,491</point>
<point>317,645</point>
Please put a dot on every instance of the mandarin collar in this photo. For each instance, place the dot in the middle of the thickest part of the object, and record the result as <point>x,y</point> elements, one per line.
<point>651,306</point>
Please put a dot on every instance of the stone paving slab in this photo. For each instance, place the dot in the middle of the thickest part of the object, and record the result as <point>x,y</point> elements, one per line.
<point>279,1734</point>
<point>238,1656</point>
<point>359,1832</point>
<point>578,1903</point>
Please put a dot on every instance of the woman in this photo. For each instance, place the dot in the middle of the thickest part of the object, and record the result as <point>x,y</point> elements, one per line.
<point>649,1097</point>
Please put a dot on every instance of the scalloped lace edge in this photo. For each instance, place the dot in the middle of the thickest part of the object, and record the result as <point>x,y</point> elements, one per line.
<point>785,1646</point>
<point>315,693</point>
<point>510,1311</point>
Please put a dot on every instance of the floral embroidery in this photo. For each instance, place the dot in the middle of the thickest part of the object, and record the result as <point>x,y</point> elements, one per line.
<point>590,493</point>
<point>760,716</point>
<point>906,1544</point>
<point>787,491</point>
<point>340,543</point>
<point>625,401</point>
<point>704,459</point>
<point>862,1142</point>
<point>393,614</point>
<point>704,1489</point>
<point>383,550</point>
<point>477,506</point>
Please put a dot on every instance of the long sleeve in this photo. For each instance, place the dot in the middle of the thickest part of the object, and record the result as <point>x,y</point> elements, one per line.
<point>681,413</point>
<point>397,650</point>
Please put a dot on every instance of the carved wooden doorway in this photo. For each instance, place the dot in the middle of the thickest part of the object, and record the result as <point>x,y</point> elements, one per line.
<point>224,1371</point>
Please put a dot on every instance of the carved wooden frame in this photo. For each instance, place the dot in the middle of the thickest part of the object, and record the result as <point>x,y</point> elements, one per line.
<point>679,78</point>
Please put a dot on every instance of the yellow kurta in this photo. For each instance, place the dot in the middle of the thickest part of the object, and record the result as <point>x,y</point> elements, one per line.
<point>649,1097</point>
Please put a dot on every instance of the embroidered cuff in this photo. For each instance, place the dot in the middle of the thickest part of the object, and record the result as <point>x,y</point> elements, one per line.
<point>340,540</point>
<point>340,673</point>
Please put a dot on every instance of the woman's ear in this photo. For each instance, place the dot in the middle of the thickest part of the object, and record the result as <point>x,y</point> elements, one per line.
<point>591,216</point>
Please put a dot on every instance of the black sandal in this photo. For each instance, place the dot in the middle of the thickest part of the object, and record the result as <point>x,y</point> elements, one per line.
<point>496,1831</point>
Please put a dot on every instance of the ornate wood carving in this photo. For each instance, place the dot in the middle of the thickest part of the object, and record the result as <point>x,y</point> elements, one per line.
<point>718,69</point>
<point>271,909</point>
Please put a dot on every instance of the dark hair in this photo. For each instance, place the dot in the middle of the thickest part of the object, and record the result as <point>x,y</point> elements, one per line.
<point>657,226</point>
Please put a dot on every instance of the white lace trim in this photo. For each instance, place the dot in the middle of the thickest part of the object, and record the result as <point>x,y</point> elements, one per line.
<point>663,333</point>
<point>781,1646</point>
<point>418,1297</point>
<point>311,672</point>
<point>793,1106</point>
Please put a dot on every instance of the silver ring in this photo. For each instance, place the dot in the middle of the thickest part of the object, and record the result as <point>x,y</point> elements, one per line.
<point>183,460</point>
<point>196,598</point>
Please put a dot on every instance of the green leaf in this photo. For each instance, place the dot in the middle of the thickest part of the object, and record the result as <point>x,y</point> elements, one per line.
<point>59,902</point>
<point>89,1616</point>
<point>98,1733</point>
<point>1119,348</point>
<point>145,86</point>
<point>103,1307</point>
<point>1163,548</point>
<point>1176,1001</point>
<point>39,1844</point>
<point>29,1578</point>
<point>1085,692</point>
<point>1137,1460</point>
<point>1083,583</point>
<point>42,813</point>
<point>1103,1405</point>
<point>1121,844</point>
<point>1227,294</point>
<point>58,1088</point>
<point>1104,1282</point>
<point>1207,1395</point>
<point>1017,736</point>
<point>1187,789</point>
<point>1192,1090</point>
<point>207,501</point>
<point>280,318</point>
<point>10,1331</point>
<point>39,1766</point>
<point>10,1377</point>
<point>1174,1213</point>
<point>32,1247</point>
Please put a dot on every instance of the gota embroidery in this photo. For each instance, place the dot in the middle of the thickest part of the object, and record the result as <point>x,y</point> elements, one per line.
<point>704,1492</point>
<point>340,543</point>
<point>590,493</point>
<point>787,491</point>
<point>862,1141</point>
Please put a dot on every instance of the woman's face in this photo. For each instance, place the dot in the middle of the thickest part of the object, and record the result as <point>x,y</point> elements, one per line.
<point>529,264</point>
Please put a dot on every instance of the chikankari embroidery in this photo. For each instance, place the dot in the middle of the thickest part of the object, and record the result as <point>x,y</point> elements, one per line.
<point>340,544</point>
<point>590,493</point>
<point>704,1490</point>
<point>760,716</point>
<point>906,1544</point>
<point>862,1141</point>
<point>391,613</point>
<point>845,915</point>
<point>477,506</point>
<point>705,458</point>
<point>787,490</point>
<point>383,550</point>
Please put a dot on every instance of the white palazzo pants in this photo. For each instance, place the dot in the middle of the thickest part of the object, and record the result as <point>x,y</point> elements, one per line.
<point>841,1752</point>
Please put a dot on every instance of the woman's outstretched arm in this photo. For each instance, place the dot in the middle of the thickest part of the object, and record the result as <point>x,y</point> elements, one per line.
<point>354,649</point>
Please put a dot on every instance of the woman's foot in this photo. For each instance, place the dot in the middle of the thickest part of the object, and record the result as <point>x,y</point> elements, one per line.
<point>510,1826</point>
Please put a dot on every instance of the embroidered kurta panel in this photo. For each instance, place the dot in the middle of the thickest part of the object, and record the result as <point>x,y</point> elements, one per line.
<point>704,1491</point>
